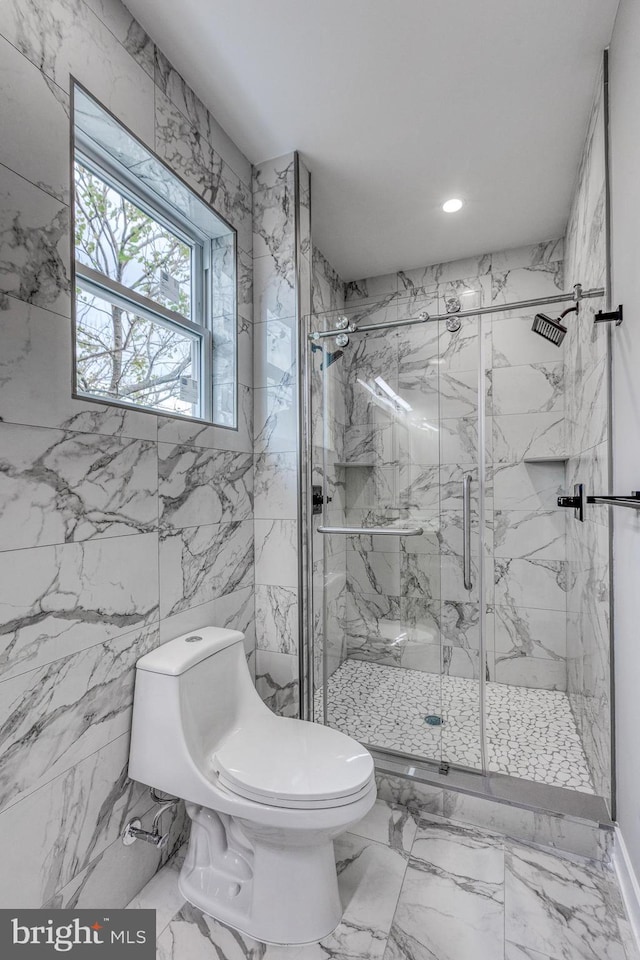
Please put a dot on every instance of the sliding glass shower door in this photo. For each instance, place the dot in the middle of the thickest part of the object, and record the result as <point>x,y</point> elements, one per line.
<point>395,416</point>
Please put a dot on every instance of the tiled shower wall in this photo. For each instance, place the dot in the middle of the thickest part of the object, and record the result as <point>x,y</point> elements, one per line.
<point>118,529</point>
<point>587,412</point>
<point>400,610</point>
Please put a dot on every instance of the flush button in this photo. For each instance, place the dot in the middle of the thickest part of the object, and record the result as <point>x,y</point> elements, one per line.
<point>193,639</point>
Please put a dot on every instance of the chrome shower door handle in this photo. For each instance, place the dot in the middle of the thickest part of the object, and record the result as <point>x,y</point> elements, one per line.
<point>466,531</point>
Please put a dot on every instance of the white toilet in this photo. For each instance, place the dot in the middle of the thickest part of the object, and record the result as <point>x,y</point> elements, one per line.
<point>266,795</point>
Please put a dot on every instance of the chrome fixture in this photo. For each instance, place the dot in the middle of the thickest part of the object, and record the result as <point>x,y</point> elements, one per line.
<point>578,501</point>
<point>473,312</point>
<point>342,340</point>
<point>342,323</point>
<point>452,304</point>
<point>466,531</point>
<point>331,357</point>
<point>373,531</point>
<point>133,830</point>
<point>552,330</point>
<point>453,324</point>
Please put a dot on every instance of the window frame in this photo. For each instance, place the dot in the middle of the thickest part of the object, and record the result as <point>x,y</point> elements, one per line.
<point>199,325</point>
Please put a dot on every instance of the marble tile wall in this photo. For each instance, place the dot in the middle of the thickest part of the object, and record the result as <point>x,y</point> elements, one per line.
<point>406,599</point>
<point>587,411</point>
<point>118,529</point>
<point>328,379</point>
<point>282,295</point>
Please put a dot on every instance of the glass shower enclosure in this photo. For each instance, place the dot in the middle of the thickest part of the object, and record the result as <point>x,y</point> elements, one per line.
<point>429,528</point>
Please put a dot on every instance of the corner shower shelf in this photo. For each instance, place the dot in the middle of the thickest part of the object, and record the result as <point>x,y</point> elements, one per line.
<point>546,459</point>
<point>353,463</point>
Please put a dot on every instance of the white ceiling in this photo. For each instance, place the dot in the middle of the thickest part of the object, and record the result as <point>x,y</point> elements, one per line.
<point>397,105</point>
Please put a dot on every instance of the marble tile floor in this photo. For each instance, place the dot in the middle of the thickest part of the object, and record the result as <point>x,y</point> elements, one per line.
<point>428,890</point>
<point>530,733</point>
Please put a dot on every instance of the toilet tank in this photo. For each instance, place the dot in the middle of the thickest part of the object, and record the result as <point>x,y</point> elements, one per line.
<point>190,693</point>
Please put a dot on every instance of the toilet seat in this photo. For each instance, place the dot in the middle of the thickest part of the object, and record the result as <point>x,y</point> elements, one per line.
<point>293,763</point>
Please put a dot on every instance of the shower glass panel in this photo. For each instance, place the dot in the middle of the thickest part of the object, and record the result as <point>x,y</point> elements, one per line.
<point>395,417</point>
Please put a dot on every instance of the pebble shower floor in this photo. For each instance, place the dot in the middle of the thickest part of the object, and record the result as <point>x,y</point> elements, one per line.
<point>530,733</point>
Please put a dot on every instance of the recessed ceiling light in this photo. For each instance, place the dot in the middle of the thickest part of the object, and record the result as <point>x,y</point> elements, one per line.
<point>452,206</point>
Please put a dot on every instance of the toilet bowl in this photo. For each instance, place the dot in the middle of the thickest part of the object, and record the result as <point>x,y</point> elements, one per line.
<point>266,795</point>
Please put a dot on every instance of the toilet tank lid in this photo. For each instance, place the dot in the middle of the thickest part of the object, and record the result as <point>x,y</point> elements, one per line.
<point>179,655</point>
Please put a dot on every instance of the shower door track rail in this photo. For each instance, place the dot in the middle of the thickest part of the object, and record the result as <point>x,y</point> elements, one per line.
<point>373,531</point>
<point>478,311</point>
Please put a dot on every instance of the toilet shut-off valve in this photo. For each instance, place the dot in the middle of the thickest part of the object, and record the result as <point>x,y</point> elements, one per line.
<point>133,830</point>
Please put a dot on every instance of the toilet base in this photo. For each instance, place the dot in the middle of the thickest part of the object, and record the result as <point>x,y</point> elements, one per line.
<point>274,885</point>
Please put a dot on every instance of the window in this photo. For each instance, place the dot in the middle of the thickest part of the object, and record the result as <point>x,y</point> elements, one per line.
<point>155,306</point>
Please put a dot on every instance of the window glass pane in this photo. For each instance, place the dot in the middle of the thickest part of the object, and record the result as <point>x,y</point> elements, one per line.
<point>124,356</point>
<point>116,238</point>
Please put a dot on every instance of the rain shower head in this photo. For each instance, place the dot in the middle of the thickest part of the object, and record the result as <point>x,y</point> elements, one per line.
<point>332,357</point>
<point>550,329</point>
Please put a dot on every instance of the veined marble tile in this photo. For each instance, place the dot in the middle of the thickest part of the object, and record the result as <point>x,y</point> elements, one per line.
<point>545,279</point>
<point>515,344</point>
<point>58,487</point>
<point>199,486</point>
<point>55,832</point>
<point>183,431</point>
<point>119,872</point>
<point>453,873</point>
<point>277,682</point>
<point>203,563</point>
<point>273,289</point>
<point>518,436</point>
<point>531,583</point>
<point>127,30</point>
<point>371,288</point>
<point>390,824</point>
<point>276,552</point>
<point>191,156</point>
<point>275,419</point>
<point>161,893</point>
<point>536,534</point>
<point>277,618</point>
<point>459,440</point>
<point>36,110</point>
<point>328,286</point>
<point>34,244</point>
<point>373,572</point>
<point>67,39</point>
<point>531,388</point>
<point>567,910</point>
<point>533,672</point>
<point>273,188</point>
<point>62,599</point>
<point>419,798</point>
<point>55,716</point>
<point>275,353</point>
<point>530,632</point>
<point>275,479</point>
<point>528,486</point>
<point>420,576</point>
<point>234,610</point>
<point>531,255</point>
<point>35,374</point>
<point>182,96</point>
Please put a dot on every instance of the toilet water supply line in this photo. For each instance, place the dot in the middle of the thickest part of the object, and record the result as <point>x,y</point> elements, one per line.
<point>133,830</point>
